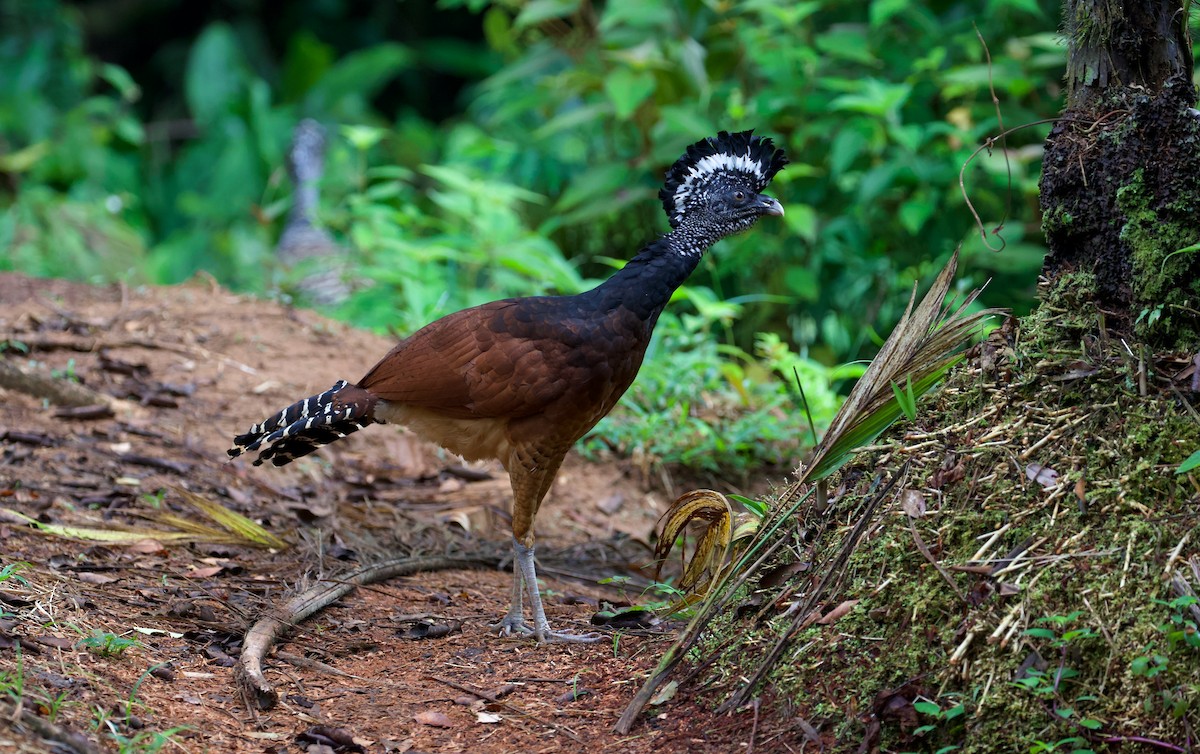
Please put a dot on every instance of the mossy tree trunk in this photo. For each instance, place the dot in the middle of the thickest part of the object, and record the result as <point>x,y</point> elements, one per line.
<point>1120,189</point>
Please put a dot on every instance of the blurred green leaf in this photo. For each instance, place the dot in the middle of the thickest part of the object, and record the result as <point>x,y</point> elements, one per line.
<point>215,75</point>
<point>627,89</point>
<point>535,12</point>
<point>348,83</point>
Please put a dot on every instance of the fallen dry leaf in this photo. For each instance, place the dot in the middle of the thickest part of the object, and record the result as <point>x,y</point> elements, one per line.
<point>487,717</point>
<point>434,719</point>
<point>1043,475</point>
<point>665,694</point>
<point>837,613</point>
<point>148,547</point>
<point>913,503</point>
<point>90,577</point>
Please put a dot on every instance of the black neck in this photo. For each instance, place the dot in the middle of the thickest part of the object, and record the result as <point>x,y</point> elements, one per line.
<point>645,284</point>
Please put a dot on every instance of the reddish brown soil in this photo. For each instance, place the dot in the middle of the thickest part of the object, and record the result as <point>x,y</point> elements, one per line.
<point>209,363</point>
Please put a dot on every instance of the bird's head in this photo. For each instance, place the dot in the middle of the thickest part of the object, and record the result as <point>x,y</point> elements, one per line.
<point>715,186</point>
<point>306,156</point>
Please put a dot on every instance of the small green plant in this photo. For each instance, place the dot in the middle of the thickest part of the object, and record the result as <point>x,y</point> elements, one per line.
<point>52,706</point>
<point>1074,744</point>
<point>1056,639</point>
<point>12,571</point>
<point>1179,627</point>
<point>939,715</point>
<point>1157,666</point>
<point>66,373</point>
<point>906,399</point>
<point>1050,686</point>
<point>146,742</point>
<point>153,499</point>
<point>757,508</point>
<point>1149,665</point>
<point>668,593</point>
<point>1191,463</point>
<point>107,644</point>
<point>143,742</point>
<point>12,682</point>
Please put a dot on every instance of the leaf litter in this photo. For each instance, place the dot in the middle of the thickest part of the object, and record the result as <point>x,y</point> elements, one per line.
<point>137,528</point>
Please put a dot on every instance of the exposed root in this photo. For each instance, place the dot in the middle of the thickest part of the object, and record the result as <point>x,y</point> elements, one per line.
<point>256,690</point>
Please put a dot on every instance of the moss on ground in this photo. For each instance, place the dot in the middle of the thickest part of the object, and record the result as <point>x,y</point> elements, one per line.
<point>1058,463</point>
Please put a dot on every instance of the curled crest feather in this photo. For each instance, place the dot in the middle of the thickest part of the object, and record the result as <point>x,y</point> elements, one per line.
<point>754,158</point>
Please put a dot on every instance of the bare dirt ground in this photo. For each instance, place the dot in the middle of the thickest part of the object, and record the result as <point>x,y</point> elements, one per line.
<point>193,365</point>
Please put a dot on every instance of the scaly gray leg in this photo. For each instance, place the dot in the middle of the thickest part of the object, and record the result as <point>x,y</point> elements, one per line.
<point>514,621</point>
<point>541,626</point>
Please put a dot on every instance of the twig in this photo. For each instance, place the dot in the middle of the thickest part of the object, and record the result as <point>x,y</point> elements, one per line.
<point>961,650</point>
<point>1175,554</point>
<point>507,705</point>
<point>754,726</point>
<point>831,573</point>
<point>992,538</point>
<point>300,661</point>
<point>924,549</point>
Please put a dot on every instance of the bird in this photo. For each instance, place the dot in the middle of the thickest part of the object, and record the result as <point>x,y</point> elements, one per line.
<point>302,242</point>
<point>520,380</point>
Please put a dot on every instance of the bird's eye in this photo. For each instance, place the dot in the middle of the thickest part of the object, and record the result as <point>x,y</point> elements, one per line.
<point>739,196</point>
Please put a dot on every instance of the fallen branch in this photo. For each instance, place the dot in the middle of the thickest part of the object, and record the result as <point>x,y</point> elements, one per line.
<point>268,629</point>
<point>65,740</point>
<point>61,392</point>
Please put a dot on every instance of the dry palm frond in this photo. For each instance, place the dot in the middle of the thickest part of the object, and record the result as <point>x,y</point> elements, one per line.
<point>921,349</point>
<point>925,343</point>
<point>713,545</point>
<point>232,528</point>
<point>710,557</point>
<point>242,528</point>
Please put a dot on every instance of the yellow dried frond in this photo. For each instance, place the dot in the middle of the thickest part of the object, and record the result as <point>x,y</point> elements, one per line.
<point>708,557</point>
<point>231,528</point>
<point>231,521</point>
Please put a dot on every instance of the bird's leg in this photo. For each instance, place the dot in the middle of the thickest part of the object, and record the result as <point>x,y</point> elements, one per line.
<point>531,471</point>
<point>514,621</point>
<point>541,626</point>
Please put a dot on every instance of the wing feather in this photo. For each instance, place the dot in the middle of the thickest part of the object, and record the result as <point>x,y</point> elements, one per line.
<point>510,358</point>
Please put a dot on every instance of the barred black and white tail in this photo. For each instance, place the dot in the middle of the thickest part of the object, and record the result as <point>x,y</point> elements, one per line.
<point>306,425</point>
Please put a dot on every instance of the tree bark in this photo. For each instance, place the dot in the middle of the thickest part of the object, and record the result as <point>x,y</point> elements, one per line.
<point>1120,188</point>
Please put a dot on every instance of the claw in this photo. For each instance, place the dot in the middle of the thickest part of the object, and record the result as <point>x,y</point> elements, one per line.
<point>508,627</point>
<point>567,637</point>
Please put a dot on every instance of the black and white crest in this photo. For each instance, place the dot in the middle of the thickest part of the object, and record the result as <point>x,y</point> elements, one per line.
<point>740,155</point>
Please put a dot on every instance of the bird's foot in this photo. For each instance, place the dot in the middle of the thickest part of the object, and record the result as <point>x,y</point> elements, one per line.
<point>511,625</point>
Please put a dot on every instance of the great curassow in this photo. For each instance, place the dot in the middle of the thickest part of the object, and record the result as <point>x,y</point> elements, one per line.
<point>302,242</point>
<point>521,380</point>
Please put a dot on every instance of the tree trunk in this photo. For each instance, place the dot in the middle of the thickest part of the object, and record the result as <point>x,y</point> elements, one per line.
<point>1120,188</point>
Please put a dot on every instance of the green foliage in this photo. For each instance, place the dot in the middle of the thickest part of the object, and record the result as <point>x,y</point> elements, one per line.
<point>547,172</point>
<point>1190,463</point>
<point>940,717</point>
<point>12,571</point>
<point>107,644</point>
<point>1052,686</point>
<point>878,103</point>
<point>703,406</point>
